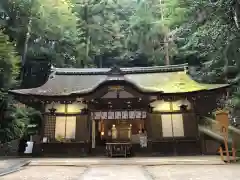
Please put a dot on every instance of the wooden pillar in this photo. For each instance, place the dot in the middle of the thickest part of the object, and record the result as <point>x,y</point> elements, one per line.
<point>66,112</point>
<point>148,125</point>
<point>234,150</point>
<point>93,133</point>
<point>173,135</point>
<point>227,148</point>
<point>43,121</point>
<point>221,153</point>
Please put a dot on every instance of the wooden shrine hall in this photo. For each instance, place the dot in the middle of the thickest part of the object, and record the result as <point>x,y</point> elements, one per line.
<point>122,111</point>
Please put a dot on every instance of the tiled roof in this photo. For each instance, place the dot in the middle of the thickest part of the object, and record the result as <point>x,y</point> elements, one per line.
<point>165,79</point>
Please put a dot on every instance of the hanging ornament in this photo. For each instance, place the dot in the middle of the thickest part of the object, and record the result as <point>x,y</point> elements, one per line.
<point>52,110</point>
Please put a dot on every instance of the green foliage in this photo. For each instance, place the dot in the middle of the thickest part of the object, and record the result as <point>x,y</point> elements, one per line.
<point>35,121</point>
<point>209,33</point>
<point>103,25</point>
<point>9,62</point>
<point>96,32</point>
<point>211,37</point>
<point>42,27</point>
<point>16,123</point>
<point>8,71</point>
<point>153,26</point>
<point>13,125</point>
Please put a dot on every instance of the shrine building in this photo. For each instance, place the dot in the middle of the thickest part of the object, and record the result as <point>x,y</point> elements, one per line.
<point>86,109</point>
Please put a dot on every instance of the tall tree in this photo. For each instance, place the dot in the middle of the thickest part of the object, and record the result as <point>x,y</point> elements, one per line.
<point>43,30</point>
<point>9,68</point>
<point>104,24</point>
<point>153,27</point>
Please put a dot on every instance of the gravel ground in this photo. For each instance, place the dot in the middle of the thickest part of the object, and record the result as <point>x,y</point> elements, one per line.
<point>46,173</point>
<point>168,172</point>
<point>115,173</point>
<point>195,172</point>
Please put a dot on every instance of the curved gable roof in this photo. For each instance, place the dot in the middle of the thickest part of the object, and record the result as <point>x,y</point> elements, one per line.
<point>157,79</point>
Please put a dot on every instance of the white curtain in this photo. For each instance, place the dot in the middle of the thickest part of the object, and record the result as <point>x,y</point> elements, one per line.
<point>177,121</point>
<point>68,123</point>
<point>71,127</point>
<point>60,127</point>
<point>172,125</point>
<point>167,125</point>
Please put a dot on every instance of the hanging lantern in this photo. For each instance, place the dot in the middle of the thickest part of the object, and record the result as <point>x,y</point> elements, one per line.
<point>150,109</point>
<point>84,111</point>
<point>102,125</point>
<point>183,107</point>
<point>52,110</point>
<point>102,128</point>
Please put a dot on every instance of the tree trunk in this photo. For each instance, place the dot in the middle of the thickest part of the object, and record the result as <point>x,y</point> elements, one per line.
<point>100,62</point>
<point>28,35</point>
<point>165,40</point>
<point>25,49</point>
<point>87,37</point>
<point>166,48</point>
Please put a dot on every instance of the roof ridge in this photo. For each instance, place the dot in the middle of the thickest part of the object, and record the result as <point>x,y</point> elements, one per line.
<point>124,70</point>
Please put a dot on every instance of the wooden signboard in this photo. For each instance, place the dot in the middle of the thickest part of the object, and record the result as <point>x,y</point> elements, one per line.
<point>222,118</point>
<point>133,114</point>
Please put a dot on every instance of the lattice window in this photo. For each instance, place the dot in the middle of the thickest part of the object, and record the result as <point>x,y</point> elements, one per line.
<point>49,129</point>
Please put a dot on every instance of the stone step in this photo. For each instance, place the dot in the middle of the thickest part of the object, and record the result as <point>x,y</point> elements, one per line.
<point>145,161</point>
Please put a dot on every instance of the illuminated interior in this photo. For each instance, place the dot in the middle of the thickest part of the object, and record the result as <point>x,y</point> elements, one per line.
<point>172,125</point>
<point>165,106</point>
<point>71,108</point>
<point>65,127</point>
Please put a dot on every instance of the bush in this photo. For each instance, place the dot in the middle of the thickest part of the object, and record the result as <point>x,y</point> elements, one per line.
<point>16,123</point>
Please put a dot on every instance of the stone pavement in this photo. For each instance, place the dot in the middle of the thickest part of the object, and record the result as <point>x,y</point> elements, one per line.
<point>186,172</point>
<point>144,161</point>
<point>124,172</point>
<point>11,165</point>
<point>46,173</point>
<point>164,168</point>
<point>115,172</point>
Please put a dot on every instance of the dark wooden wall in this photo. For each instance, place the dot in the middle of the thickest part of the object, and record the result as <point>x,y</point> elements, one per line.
<point>190,125</point>
<point>155,126</point>
<point>82,128</point>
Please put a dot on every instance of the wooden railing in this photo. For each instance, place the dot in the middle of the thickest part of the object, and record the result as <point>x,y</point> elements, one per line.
<point>213,128</point>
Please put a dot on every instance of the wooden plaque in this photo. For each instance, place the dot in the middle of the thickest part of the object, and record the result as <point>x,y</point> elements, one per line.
<point>222,118</point>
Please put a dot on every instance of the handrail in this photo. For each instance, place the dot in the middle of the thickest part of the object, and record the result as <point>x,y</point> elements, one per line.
<point>232,128</point>
<point>212,133</point>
